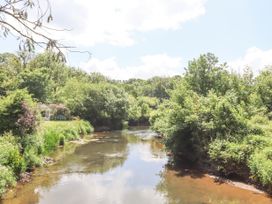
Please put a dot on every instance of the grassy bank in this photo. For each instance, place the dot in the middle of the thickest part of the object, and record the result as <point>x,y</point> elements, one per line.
<point>22,154</point>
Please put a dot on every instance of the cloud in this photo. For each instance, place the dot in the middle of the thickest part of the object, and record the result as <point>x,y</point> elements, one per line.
<point>151,65</point>
<point>116,21</point>
<point>255,58</point>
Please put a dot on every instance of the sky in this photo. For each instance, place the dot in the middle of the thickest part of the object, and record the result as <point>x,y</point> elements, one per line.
<point>146,38</point>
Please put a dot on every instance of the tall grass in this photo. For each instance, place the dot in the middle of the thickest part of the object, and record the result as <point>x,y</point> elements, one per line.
<point>20,154</point>
<point>56,133</point>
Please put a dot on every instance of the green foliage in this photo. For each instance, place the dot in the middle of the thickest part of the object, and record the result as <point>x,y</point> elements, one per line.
<point>264,87</point>
<point>156,87</point>
<point>51,140</point>
<point>140,109</point>
<point>17,113</point>
<point>32,157</point>
<point>55,133</point>
<point>10,67</point>
<point>220,120</point>
<point>10,154</point>
<point>244,156</point>
<point>7,179</point>
<point>18,154</point>
<point>205,74</point>
<point>229,157</point>
<point>105,105</point>
<point>7,82</point>
<point>55,73</point>
<point>73,94</point>
<point>159,118</point>
<point>195,120</point>
<point>37,83</point>
<point>102,104</point>
<point>260,165</point>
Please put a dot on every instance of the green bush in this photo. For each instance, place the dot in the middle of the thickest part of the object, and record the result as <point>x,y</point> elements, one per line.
<point>10,154</point>
<point>260,165</point>
<point>17,113</point>
<point>220,119</point>
<point>230,157</point>
<point>102,104</point>
<point>140,109</point>
<point>7,179</point>
<point>32,158</point>
<point>37,82</point>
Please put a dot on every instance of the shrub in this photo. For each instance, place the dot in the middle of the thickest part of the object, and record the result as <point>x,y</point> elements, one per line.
<point>230,157</point>
<point>102,104</point>
<point>140,109</point>
<point>260,165</point>
<point>10,154</point>
<point>17,113</point>
<point>7,179</point>
<point>37,82</point>
<point>32,158</point>
<point>27,120</point>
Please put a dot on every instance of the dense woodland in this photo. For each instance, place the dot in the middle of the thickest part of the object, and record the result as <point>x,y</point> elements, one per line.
<point>209,116</point>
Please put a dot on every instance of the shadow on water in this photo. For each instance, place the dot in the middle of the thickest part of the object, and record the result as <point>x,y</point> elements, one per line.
<point>187,172</point>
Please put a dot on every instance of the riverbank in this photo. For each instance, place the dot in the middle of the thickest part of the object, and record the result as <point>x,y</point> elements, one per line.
<point>21,155</point>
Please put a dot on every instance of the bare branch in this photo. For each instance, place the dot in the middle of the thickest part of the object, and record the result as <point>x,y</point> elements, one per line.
<point>14,20</point>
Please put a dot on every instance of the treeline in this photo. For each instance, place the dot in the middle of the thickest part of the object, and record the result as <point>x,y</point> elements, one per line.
<point>220,120</point>
<point>106,103</point>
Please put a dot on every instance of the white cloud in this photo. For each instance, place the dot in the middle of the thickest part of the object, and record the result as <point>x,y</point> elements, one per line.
<point>151,65</point>
<point>116,21</point>
<point>255,58</point>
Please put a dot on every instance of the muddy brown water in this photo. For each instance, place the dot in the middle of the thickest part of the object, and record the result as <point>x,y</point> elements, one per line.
<point>123,167</point>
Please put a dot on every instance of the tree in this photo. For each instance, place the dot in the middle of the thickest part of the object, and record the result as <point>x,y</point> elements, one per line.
<point>37,83</point>
<point>102,104</point>
<point>10,67</point>
<point>18,113</point>
<point>53,69</point>
<point>27,20</point>
<point>204,74</point>
<point>140,109</point>
<point>264,87</point>
<point>105,105</point>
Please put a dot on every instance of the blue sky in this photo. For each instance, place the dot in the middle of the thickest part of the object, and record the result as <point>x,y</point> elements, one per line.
<point>146,37</point>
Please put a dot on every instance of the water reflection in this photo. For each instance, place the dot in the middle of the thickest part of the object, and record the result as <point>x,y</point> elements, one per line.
<point>194,187</point>
<point>123,167</point>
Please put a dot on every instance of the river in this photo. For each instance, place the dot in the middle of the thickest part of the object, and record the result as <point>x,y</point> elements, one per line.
<point>123,167</point>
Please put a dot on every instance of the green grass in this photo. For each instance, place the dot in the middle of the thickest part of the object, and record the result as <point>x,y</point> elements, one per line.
<point>56,133</point>
<point>20,154</point>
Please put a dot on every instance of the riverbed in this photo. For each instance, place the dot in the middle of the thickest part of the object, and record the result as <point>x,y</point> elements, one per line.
<point>123,167</point>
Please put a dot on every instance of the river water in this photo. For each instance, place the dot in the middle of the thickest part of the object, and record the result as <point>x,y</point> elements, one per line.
<point>123,167</point>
